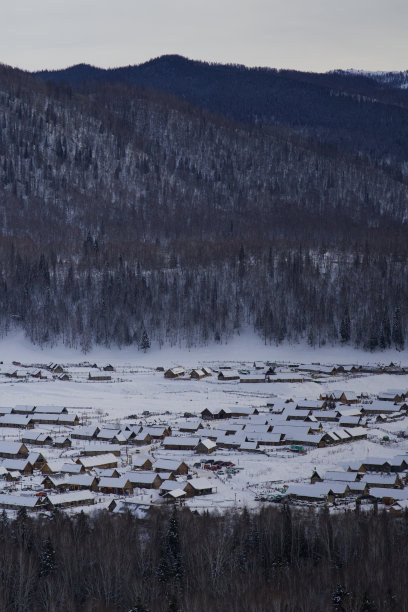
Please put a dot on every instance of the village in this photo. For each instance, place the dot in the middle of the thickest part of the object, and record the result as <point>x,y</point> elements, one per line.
<point>216,436</point>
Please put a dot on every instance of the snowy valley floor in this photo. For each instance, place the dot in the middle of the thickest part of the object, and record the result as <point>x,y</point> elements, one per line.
<point>136,388</point>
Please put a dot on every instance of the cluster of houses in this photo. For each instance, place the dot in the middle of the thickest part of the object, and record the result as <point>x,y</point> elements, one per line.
<point>281,373</point>
<point>56,371</point>
<point>103,460</point>
<point>374,479</point>
<point>96,471</point>
<point>26,417</point>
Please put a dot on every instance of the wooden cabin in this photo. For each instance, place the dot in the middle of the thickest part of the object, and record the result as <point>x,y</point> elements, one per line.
<point>116,486</point>
<point>99,377</point>
<point>141,463</point>
<point>171,465</point>
<point>144,480</point>
<point>205,447</point>
<point>13,450</point>
<point>175,372</point>
<point>71,499</point>
<point>78,482</point>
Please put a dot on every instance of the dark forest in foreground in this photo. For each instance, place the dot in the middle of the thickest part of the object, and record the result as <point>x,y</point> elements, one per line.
<point>269,561</point>
<point>135,205</point>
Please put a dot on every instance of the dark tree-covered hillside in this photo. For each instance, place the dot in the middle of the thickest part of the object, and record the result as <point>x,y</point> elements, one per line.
<point>126,211</point>
<point>274,560</point>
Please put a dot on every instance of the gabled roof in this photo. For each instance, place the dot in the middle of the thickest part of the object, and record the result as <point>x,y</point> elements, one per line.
<point>70,468</point>
<point>139,460</point>
<point>96,460</point>
<point>16,419</point>
<point>379,479</point>
<point>171,485</point>
<point>319,490</point>
<point>71,497</point>
<point>340,476</point>
<point>187,441</point>
<point>176,493</point>
<point>380,492</point>
<point>83,480</point>
<point>167,464</point>
<point>209,444</point>
<point>15,464</point>
<point>309,404</point>
<point>22,501</point>
<point>50,409</point>
<point>114,483</point>
<point>140,477</point>
<point>201,484</point>
<point>10,448</point>
<point>98,447</point>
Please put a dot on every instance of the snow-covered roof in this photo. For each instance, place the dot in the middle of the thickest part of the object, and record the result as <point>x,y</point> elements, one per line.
<point>70,468</point>
<point>351,420</point>
<point>382,407</point>
<point>10,448</point>
<point>309,404</point>
<point>171,485</point>
<point>114,483</point>
<point>15,419</point>
<point>341,434</point>
<point>228,374</point>
<point>94,461</point>
<point>99,447</point>
<point>140,477</point>
<point>86,430</point>
<point>176,493</point>
<point>209,444</point>
<point>318,490</point>
<point>70,497</point>
<point>340,476</point>
<point>384,480</point>
<point>167,464</point>
<point>201,484</point>
<point>6,410</point>
<point>14,464</point>
<point>187,441</point>
<point>380,492</point>
<point>82,480</point>
<point>139,460</point>
<point>248,446</point>
<point>262,437</point>
<point>21,501</point>
<point>190,424</point>
<point>255,428</point>
<point>177,370</point>
<point>50,409</point>
<point>355,432</point>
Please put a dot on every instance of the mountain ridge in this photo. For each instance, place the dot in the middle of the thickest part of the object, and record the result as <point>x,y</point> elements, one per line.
<point>350,111</point>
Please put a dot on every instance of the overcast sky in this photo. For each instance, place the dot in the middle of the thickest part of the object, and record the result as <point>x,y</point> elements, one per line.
<point>308,35</point>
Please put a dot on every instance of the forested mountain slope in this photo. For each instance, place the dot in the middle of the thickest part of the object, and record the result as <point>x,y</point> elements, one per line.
<point>124,209</point>
<point>353,111</point>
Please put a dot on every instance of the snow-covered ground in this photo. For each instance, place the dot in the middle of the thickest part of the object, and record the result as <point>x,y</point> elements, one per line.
<point>244,348</point>
<point>137,387</point>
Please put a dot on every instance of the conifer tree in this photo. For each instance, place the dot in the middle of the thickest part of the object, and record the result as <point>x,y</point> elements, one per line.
<point>145,341</point>
<point>47,559</point>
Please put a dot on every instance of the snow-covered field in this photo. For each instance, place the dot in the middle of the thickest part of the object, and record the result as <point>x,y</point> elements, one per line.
<point>136,387</point>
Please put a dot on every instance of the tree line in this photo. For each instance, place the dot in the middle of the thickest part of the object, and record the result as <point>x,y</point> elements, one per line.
<point>179,299</point>
<point>271,560</point>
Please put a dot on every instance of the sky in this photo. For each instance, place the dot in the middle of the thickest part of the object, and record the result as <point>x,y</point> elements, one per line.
<point>315,35</point>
